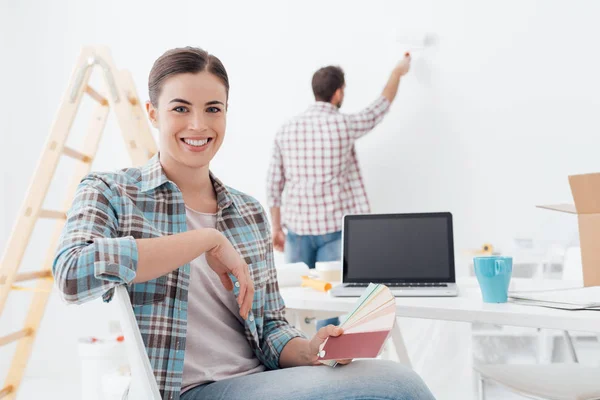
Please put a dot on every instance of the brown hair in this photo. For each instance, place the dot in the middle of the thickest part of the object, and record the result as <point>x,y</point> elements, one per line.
<point>181,61</point>
<point>326,81</point>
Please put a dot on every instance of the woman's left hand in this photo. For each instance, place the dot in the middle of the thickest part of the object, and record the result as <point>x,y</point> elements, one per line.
<point>224,259</point>
<point>319,338</point>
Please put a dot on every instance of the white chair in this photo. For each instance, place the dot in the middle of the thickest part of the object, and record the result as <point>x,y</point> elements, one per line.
<point>548,381</point>
<point>143,383</point>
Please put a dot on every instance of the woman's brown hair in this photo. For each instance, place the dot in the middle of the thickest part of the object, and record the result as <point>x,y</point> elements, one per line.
<point>181,61</point>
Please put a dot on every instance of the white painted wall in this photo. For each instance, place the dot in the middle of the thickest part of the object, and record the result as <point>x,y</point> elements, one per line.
<point>488,124</point>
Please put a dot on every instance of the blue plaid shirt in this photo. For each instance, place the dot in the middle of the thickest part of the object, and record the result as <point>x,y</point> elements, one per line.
<point>97,252</point>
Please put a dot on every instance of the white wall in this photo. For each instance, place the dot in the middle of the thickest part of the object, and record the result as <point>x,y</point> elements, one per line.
<point>488,124</point>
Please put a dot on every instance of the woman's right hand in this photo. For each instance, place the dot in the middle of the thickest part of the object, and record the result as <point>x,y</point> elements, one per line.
<point>225,260</point>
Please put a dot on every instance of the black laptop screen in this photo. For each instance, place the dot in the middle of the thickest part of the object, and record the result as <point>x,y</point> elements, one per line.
<point>398,248</point>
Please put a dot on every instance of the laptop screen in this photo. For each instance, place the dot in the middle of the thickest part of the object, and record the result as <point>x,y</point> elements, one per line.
<point>398,248</point>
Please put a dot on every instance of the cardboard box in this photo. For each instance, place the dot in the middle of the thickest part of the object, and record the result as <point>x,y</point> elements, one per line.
<point>586,195</point>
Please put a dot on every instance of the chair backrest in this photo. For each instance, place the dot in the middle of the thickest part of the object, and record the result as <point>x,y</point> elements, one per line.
<point>572,266</point>
<point>143,383</point>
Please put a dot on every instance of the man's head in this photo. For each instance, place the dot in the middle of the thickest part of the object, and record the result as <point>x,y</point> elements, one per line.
<point>328,85</point>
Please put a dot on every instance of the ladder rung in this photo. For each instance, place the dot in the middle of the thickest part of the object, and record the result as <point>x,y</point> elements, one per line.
<point>53,214</point>
<point>6,391</point>
<point>27,276</point>
<point>96,96</point>
<point>15,336</point>
<point>67,151</point>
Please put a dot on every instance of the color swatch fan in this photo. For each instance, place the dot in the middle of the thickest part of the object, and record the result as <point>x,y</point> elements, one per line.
<point>365,329</point>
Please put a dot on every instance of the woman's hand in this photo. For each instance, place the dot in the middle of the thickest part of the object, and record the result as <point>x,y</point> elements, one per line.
<point>225,260</point>
<point>322,335</point>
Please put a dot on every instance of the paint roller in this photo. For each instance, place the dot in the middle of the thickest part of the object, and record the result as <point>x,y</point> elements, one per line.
<point>418,44</point>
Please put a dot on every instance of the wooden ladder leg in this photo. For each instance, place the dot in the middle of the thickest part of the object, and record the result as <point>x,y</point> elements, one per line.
<point>44,286</point>
<point>144,132</point>
<point>40,183</point>
<point>121,105</point>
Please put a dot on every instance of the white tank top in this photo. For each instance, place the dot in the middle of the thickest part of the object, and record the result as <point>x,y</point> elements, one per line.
<point>216,345</point>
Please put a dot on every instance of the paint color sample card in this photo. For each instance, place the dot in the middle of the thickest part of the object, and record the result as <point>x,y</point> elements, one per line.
<point>366,327</point>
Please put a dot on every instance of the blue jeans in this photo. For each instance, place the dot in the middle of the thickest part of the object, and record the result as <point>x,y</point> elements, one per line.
<point>359,380</point>
<point>309,249</point>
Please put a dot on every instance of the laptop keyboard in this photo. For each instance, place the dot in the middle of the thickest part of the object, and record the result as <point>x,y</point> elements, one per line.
<point>402,284</point>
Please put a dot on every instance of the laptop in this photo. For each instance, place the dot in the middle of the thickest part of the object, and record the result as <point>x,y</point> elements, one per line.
<point>412,254</point>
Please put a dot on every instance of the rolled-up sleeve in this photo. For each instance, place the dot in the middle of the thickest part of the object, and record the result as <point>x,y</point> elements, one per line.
<point>361,123</point>
<point>277,331</point>
<point>91,259</point>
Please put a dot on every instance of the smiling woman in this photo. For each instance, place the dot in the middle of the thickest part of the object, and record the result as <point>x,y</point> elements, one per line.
<point>197,259</point>
<point>188,91</point>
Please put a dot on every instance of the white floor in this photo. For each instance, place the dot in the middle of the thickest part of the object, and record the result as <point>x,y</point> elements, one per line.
<point>49,389</point>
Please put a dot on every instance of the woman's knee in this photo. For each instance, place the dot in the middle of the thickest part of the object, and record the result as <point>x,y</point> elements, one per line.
<point>392,380</point>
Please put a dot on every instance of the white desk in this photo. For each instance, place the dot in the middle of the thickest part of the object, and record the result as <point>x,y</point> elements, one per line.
<point>467,307</point>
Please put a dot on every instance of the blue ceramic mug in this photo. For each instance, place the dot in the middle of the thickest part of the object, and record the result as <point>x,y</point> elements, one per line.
<point>493,274</point>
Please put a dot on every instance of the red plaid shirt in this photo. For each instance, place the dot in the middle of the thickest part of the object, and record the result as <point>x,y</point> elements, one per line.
<point>314,174</point>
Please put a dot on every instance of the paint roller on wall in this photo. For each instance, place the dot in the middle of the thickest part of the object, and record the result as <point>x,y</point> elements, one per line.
<point>414,43</point>
<point>420,47</point>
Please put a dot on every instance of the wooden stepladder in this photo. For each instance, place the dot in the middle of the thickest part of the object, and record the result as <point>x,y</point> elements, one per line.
<point>121,96</point>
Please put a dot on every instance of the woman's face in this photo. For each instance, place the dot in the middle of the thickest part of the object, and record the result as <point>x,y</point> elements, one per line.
<point>190,117</point>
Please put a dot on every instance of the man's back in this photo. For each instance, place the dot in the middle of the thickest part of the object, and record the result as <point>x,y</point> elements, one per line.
<point>314,172</point>
<point>315,146</point>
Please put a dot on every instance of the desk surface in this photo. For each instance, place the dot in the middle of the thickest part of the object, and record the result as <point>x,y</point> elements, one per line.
<point>467,307</point>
